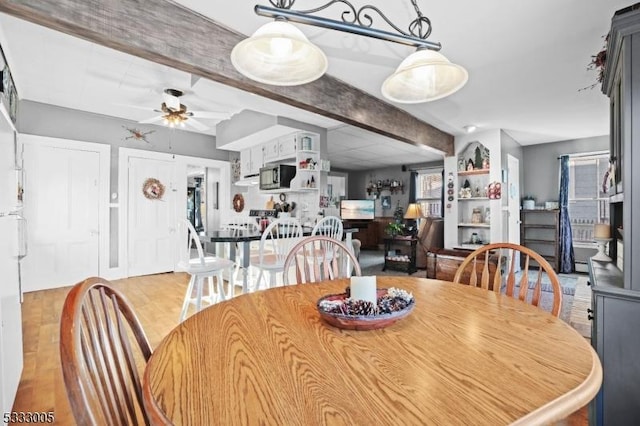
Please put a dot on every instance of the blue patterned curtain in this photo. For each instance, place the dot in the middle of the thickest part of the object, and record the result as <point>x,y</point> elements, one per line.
<point>567,258</point>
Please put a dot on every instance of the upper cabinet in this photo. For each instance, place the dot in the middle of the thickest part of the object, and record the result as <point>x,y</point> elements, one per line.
<point>251,159</point>
<point>281,149</point>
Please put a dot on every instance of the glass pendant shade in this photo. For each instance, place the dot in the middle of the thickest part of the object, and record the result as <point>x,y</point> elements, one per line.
<point>424,76</point>
<point>278,53</point>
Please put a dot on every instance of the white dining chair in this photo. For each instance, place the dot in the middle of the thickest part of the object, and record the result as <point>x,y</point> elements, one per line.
<point>329,226</point>
<point>276,242</point>
<point>201,267</point>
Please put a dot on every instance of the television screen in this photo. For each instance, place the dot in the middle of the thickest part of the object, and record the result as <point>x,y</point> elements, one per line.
<point>357,209</point>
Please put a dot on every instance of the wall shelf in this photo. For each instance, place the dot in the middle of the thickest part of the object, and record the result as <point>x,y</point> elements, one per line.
<point>473,172</point>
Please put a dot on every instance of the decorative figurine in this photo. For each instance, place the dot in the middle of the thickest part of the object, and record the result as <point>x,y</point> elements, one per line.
<point>470,165</point>
<point>485,164</point>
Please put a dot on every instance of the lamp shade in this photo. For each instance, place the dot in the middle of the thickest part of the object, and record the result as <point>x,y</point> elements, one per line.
<point>278,53</point>
<point>424,76</point>
<point>413,211</point>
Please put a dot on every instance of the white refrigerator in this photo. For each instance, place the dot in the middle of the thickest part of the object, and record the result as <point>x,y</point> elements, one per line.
<point>12,250</point>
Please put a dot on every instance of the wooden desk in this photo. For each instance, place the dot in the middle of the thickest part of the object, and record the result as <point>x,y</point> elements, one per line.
<point>463,356</point>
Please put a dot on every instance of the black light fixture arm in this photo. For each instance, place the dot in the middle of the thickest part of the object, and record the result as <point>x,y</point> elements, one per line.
<point>355,21</point>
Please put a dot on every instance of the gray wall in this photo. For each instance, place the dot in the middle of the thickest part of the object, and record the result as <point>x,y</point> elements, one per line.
<point>359,180</point>
<point>48,120</point>
<point>541,172</point>
<point>541,164</point>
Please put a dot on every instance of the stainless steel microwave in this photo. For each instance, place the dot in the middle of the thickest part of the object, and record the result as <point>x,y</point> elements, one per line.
<point>277,176</point>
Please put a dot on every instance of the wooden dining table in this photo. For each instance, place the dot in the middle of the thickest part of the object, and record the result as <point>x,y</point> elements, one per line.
<point>462,356</point>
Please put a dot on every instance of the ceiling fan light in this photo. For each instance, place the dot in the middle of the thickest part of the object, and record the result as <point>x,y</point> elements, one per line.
<point>424,76</point>
<point>278,53</point>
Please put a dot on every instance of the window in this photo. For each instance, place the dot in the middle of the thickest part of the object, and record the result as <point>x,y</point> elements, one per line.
<point>429,191</point>
<point>588,204</point>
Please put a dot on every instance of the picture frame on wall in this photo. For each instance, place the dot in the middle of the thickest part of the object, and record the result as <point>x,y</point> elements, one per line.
<point>386,202</point>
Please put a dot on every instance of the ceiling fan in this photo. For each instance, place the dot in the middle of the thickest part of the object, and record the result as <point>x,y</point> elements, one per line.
<point>175,114</point>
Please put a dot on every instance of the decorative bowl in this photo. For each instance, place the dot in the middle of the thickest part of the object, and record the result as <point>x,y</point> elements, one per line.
<point>362,322</point>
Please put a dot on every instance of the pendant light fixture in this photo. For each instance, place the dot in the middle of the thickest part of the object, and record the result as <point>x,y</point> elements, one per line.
<point>278,53</point>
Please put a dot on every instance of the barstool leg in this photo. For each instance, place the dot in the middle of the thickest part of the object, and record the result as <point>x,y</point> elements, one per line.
<point>199,293</point>
<point>213,297</point>
<point>187,298</point>
<point>232,289</point>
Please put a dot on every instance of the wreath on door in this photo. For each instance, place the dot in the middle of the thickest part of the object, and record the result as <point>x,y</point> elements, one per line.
<point>238,203</point>
<point>153,189</point>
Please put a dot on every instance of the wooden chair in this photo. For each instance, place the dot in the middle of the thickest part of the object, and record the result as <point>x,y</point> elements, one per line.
<point>318,258</point>
<point>100,365</point>
<point>507,252</point>
<point>275,244</point>
<point>199,268</point>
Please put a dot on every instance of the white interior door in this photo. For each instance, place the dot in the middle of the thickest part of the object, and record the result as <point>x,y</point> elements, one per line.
<point>513,202</point>
<point>151,223</point>
<point>61,205</point>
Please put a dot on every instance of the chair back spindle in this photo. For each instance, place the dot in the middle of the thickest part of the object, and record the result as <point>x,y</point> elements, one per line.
<point>496,253</point>
<point>100,366</point>
<point>318,258</point>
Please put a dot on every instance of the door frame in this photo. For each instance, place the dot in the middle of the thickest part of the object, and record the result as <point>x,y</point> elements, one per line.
<point>104,158</point>
<point>181,163</point>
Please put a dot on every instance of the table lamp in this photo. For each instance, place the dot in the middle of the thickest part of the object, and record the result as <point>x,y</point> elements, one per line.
<point>414,212</point>
<point>602,236</point>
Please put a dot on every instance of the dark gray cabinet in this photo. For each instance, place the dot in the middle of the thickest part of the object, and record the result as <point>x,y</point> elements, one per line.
<point>615,335</point>
<point>616,294</point>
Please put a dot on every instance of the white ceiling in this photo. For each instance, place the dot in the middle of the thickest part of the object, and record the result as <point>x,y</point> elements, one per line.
<point>527,61</point>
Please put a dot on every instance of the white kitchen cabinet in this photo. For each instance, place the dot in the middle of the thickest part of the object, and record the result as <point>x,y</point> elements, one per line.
<point>271,151</point>
<point>283,148</point>
<point>251,159</point>
<point>287,146</point>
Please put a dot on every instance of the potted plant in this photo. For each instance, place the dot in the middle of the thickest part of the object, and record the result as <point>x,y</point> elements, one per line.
<point>528,202</point>
<point>394,228</point>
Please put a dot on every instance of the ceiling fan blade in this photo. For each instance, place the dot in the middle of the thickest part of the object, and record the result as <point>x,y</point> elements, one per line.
<point>211,115</point>
<point>136,107</point>
<point>152,120</point>
<point>196,124</point>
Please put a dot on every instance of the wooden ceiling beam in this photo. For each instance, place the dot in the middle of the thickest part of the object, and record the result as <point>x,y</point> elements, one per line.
<point>165,32</point>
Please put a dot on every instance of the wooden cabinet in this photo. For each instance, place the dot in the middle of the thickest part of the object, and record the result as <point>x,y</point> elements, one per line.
<point>367,233</point>
<point>539,231</point>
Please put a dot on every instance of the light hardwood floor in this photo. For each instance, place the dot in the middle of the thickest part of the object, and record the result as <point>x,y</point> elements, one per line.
<point>156,299</point>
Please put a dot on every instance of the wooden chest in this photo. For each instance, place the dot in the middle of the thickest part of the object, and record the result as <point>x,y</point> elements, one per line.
<point>442,264</point>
